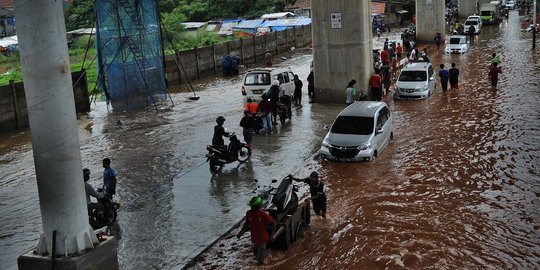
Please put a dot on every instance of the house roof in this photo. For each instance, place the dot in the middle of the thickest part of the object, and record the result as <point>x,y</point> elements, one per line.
<point>193,25</point>
<point>278,15</point>
<point>6,8</point>
<point>288,22</point>
<point>250,23</point>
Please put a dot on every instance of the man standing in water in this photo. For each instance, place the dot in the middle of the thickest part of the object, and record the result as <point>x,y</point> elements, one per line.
<point>454,74</point>
<point>493,74</point>
<point>316,189</point>
<point>109,178</point>
<point>443,74</point>
<point>256,220</point>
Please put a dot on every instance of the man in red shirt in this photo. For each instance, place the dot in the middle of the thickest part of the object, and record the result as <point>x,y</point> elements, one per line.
<point>256,220</point>
<point>493,74</point>
<point>384,55</point>
<point>376,85</point>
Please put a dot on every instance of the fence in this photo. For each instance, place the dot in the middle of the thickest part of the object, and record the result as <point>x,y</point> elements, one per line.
<point>206,61</point>
<point>13,111</point>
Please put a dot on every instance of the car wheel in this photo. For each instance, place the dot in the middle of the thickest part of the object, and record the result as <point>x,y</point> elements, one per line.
<point>372,158</point>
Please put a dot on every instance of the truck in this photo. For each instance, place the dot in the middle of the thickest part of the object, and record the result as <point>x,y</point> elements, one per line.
<point>489,12</point>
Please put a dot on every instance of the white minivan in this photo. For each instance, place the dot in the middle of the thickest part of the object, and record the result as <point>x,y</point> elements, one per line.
<point>415,81</point>
<point>360,132</point>
<point>472,22</point>
<point>258,82</point>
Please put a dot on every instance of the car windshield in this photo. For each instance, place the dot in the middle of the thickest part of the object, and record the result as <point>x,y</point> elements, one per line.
<point>485,13</point>
<point>257,79</point>
<point>413,76</point>
<point>455,40</point>
<point>353,125</point>
<point>471,22</point>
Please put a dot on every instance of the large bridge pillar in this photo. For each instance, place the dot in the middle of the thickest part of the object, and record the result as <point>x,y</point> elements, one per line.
<point>342,47</point>
<point>429,20</point>
<point>466,8</point>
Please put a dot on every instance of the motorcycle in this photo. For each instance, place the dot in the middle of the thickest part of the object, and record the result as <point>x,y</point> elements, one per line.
<point>219,155</point>
<point>281,201</point>
<point>284,108</point>
<point>103,213</point>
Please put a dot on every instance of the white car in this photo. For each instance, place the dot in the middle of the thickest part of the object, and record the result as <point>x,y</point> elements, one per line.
<point>457,44</point>
<point>258,82</point>
<point>510,5</point>
<point>473,22</point>
<point>415,81</point>
<point>476,17</point>
<point>360,132</point>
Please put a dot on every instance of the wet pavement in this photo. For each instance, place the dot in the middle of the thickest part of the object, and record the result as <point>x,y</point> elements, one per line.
<point>457,188</point>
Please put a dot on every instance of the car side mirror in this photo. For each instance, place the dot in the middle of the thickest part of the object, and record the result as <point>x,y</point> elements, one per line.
<point>326,128</point>
<point>379,131</point>
<point>431,78</point>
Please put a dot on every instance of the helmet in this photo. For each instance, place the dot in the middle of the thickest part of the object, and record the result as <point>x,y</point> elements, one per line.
<point>220,120</point>
<point>255,201</point>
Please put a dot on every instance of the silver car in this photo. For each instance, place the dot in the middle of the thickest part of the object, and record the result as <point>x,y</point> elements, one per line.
<point>415,81</point>
<point>360,132</point>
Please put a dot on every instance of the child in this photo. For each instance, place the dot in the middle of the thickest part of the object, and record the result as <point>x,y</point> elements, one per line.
<point>248,123</point>
<point>316,189</point>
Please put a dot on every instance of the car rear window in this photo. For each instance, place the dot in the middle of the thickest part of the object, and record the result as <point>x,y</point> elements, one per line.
<point>353,125</point>
<point>471,22</point>
<point>257,79</point>
<point>413,76</point>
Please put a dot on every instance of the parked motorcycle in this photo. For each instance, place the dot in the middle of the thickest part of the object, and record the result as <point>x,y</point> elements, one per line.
<point>219,155</point>
<point>103,213</point>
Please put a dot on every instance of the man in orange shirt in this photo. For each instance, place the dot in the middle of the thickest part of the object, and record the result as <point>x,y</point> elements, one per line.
<point>251,107</point>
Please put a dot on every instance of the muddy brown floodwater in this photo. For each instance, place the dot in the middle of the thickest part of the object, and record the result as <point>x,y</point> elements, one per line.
<point>458,188</point>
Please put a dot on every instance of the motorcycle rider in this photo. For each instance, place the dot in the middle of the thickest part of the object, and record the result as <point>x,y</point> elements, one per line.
<point>90,191</point>
<point>256,221</point>
<point>316,189</point>
<point>219,133</point>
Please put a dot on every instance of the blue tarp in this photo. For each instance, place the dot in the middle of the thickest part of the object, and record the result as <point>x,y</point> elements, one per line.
<point>249,24</point>
<point>287,22</point>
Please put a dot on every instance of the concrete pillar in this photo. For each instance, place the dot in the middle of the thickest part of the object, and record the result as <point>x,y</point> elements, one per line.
<point>466,8</point>
<point>342,47</point>
<point>51,111</point>
<point>429,20</point>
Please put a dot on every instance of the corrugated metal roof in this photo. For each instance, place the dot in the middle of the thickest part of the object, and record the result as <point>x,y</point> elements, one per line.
<point>288,22</point>
<point>278,15</point>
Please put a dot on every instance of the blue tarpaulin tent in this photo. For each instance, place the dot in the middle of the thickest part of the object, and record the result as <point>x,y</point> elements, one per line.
<point>279,25</point>
<point>247,27</point>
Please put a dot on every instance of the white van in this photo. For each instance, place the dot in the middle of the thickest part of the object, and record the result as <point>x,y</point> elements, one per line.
<point>360,132</point>
<point>258,82</point>
<point>472,22</point>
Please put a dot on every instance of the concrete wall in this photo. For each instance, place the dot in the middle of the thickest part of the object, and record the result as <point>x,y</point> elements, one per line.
<point>206,61</point>
<point>429,20</point>
<point>341,53</point>
<point>466,8</point>
<point>13,114</point>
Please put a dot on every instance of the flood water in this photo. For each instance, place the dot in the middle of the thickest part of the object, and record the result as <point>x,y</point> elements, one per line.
<point>458,187</point>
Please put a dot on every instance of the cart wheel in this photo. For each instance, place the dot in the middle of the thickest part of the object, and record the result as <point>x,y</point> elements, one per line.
<point>300,230</point>
<point>306,214</point>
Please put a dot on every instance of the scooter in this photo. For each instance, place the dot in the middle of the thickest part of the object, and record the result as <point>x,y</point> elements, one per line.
<point>281,201</point>
<point>103,213</point>
<point>219,155</point>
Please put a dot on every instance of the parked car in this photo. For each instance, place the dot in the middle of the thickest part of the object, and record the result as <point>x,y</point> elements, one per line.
<point>510,5</point>
<point>476,17</point>
<point>473,22</point>
<point>415,81</point>
<point>457,44</point>
<point>360,132</point>
<point>258,81</point>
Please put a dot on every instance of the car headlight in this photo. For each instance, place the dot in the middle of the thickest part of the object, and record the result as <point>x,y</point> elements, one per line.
<point>326,144</point>
<point>363,147</point>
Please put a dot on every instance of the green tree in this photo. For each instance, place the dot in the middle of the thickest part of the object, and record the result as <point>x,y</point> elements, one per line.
<point>80,14</point>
